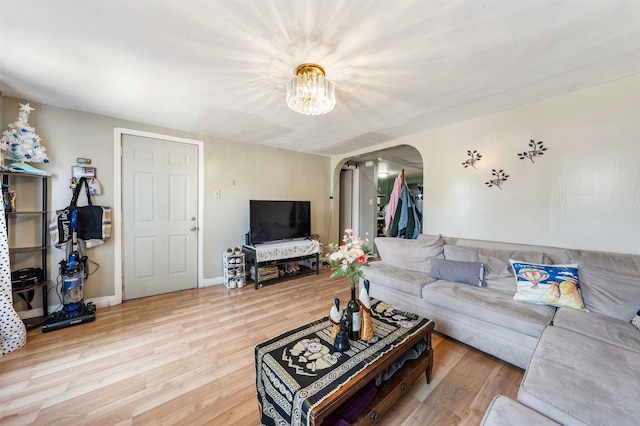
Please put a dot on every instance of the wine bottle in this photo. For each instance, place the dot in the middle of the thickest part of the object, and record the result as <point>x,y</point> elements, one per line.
<point>353,313</point>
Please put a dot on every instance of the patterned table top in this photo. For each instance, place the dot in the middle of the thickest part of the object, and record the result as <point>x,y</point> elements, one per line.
<point>299,369</point>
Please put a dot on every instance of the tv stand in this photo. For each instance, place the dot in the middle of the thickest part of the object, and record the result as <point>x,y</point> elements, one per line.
<point>280,261</point>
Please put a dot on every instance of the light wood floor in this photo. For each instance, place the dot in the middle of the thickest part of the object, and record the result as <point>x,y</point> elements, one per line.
<point>187,358</point>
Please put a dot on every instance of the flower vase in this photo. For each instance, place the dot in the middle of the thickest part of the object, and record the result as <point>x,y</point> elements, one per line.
<point>353,315</point>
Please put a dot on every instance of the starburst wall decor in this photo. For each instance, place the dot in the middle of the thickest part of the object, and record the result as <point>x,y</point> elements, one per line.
<point>475,156</point>
<point>537,149</point>
<point>499,177</point>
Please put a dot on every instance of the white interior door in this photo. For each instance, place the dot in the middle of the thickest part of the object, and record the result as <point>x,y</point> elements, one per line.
<point>159,216</point>
<point>349,201</point>
<point>346,201</point>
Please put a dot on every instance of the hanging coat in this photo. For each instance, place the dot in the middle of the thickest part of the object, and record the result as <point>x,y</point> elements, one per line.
<point>393,230</point>
<point>406,220</point>
<point>393,203</point>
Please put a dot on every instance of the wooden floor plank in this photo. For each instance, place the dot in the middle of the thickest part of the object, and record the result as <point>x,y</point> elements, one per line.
<point>187,358</point>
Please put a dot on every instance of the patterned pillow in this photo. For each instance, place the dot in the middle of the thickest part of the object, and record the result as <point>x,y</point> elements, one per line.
<point>555,285</point>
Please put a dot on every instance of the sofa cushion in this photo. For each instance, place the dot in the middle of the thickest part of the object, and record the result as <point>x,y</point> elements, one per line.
<point>471,273</point>
<point>505,284</point>
<point>610,330</point>
<point>504,411</point>
<point>412,255</point>
<point>381,274</point>
<point>625,264</point>
<point>498,273</point>
<point>490,306</point>
<point>610,282</point>
<point>576,380</point>
<point>556,285</point>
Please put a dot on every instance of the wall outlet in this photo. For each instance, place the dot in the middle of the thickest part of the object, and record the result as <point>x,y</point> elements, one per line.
<point>216,193</point>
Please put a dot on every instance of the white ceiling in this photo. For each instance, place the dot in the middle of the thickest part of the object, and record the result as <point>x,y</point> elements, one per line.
<point>391,161</point>
<point>400,67</point>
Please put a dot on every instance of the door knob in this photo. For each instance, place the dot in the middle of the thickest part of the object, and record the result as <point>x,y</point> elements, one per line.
<point>193,228</point>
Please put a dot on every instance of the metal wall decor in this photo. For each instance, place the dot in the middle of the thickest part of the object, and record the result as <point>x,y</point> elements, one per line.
<point>475,157</point>
<point>536,150</point>
<point>499,177</point>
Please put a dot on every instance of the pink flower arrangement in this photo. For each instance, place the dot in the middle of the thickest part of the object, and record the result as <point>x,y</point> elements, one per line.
<point>346,259</point>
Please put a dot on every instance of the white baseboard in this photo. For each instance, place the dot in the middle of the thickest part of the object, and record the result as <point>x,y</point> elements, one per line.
<point>105,301</point>
<point>208,282</point>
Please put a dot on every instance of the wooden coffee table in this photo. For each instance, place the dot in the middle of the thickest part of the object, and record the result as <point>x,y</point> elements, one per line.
<point>301,379</point>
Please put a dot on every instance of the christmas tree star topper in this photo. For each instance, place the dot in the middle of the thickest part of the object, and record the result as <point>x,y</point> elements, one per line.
<point>26,108</point>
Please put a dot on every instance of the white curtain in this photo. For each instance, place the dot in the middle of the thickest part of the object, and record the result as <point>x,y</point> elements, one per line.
<point>13,334</point>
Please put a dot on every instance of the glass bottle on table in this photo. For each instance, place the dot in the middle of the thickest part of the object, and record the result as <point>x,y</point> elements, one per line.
<point>353,313</point>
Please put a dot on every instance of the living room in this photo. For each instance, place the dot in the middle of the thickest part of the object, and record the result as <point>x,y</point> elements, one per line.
<point>581,194</point>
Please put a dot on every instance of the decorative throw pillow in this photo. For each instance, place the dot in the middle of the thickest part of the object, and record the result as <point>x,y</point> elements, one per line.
<point>471,273</point>
<point>636,321</point>
<point>555,285</point>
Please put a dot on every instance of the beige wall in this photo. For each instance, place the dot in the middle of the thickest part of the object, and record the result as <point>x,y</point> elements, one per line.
<point>583,193</point>
<point>243,172</point>
<point>258,172</point>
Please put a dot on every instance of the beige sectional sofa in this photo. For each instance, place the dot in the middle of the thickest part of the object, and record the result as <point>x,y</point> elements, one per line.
<point>582,368</point>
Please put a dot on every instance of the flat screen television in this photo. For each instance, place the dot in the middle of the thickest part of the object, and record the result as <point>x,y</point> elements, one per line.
<point>278,220</point>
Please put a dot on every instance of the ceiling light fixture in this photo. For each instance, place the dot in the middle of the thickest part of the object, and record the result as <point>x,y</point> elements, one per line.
<point>310,91</point>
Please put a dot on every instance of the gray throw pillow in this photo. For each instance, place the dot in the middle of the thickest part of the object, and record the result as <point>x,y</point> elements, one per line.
<point>471,273</point>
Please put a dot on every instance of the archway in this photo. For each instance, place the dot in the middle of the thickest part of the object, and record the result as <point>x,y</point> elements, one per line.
<point>365,184</point>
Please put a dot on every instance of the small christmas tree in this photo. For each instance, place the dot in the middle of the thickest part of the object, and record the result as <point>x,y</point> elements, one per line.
<point>20,142</point>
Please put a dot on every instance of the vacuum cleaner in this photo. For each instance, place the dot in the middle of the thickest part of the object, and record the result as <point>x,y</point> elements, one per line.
<point>73,273</point>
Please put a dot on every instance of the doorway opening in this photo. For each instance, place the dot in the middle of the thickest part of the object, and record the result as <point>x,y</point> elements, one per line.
<point>366,184</point>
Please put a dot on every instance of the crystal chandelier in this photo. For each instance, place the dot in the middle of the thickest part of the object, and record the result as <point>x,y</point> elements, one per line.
<point>310,91</point>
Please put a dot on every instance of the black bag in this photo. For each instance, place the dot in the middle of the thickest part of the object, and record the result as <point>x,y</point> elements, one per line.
<point>26,276</point>
<point>93,222</point>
